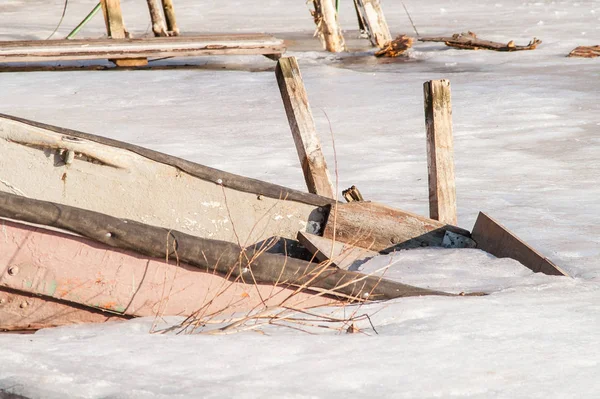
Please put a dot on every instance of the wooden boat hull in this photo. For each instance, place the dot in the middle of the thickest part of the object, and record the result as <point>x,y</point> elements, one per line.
<point>118,179</point>
<point>49,278</point>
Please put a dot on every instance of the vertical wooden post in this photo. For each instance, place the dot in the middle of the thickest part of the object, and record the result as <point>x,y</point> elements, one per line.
<point>308,146</point>
<point>113,18</point>
<point>371,19</point>
<point>159,26</point>
<point>440,151</point>
<point>328,28</point>
<point>170,17</point>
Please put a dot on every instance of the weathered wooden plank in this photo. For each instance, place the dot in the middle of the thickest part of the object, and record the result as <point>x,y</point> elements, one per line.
<point>131,62</point>
<point>496,239</point>
<point>440,151</point>
<point>113,17</point>
<point>179,46</point>
<point>225,179</point>
<point>372,18</point>
<point>381,228</point>
<point>170,17</point>
<point>159,25</point>
<point>297,109</point>
<point>328,28</point>
<point>249,265</point>
<point>342,255</point>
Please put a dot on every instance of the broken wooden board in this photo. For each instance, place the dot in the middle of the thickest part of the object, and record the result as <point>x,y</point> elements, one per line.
<point>372,19</point>
<point>151,47</point>
<point>585,52</point>
<point>342,255</point>
<point>469,41</point>
<point>497,240</point>
<point>396,47</point>
<point>381,228</point>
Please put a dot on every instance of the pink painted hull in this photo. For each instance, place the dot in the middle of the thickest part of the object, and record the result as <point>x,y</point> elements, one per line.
<point>46,277</point>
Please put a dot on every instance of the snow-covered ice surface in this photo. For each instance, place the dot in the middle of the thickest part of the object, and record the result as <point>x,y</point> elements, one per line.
<point>527,152</point>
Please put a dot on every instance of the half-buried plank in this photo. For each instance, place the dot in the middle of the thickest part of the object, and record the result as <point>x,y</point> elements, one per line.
<point>497,240</point>
<point>381,228</point>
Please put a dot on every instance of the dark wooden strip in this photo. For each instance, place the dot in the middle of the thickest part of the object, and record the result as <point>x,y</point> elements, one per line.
<point>496,239</point>
<point>249,265</point>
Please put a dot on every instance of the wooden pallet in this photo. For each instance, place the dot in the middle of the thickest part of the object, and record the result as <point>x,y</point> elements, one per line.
<point>141,48</point>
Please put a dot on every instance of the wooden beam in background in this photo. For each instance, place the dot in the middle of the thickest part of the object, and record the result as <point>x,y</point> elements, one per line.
<point>170,17</point>
<point>308,146</point>
<point>113,17</point>
<point>440,151</point>
<point>328,28</point>
<point>372,19</point>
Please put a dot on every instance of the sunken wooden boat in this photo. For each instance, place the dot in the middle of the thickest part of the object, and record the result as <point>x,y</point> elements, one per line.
<point>94,229</point>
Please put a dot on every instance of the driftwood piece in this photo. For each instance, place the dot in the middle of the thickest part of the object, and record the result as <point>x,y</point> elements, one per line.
<point>381,228</point>
<point>585,52</point>
<point>302,125</point>
<point>113,18</point>
<point>342,255</point>
<point>203,172</point>
<point>170,18</point>
<point>153,47</point>
<point>249,265</point>
<point>396,47</point>
<point>440,151</point>
<point>497,240</point>
<point>469,41</point>
<point>159,25</point>
<point>373,22</point>
<point>328,29</point>
<point>352,194</point>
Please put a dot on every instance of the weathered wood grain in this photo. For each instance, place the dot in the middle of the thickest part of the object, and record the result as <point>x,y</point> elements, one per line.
<point>226,179</point>
<point>249,265</point>
<point>152,47</point>
<point>159,25</point>
<point>372,18</point>
<point>328,27</point>
<point>381,228</point>
<point>497,240</point>
<point>470,41</point>
<point>113,17</point>
<point>302,125</point>
<point>440,151</point>
<point>170,17</point>
<point>585,52</point>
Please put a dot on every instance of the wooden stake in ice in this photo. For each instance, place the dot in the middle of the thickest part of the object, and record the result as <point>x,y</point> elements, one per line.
<point>170,17</point>
<point>295,101</point>
<point>440,152</point>
<point>113,18</point>
<point>159,26</point>
<point>372,18</point>
<point>328,28</point>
